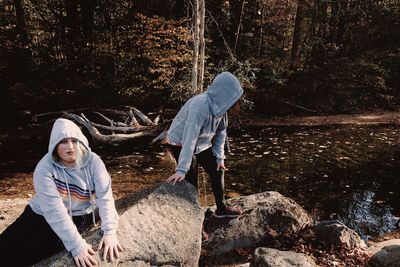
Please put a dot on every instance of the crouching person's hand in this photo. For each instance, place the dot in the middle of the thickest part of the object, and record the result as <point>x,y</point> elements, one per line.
<point>86,258</point>
<point>176,177</point>
<point>112,247</point>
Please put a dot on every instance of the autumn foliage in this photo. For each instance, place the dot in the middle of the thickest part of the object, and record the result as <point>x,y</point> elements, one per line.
<point>293,57</point>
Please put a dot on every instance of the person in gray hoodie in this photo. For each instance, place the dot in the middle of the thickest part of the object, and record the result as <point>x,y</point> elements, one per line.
<point>69,181</point>
<point>197,135</point>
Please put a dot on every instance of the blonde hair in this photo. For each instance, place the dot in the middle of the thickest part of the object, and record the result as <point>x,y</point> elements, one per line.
<point>81,154</point>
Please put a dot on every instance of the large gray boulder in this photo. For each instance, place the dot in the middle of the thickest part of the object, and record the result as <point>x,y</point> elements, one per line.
<point>266,215</point>
<point>160,226</point>
<point>269,257</point>
<point>335,233</point>
<point>385,254</point>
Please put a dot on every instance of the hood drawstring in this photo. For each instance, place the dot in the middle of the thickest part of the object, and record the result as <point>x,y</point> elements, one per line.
<point>92,199</point>
<point>69,193</point>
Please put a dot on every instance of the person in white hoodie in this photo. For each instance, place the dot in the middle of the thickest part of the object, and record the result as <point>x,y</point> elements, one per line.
<point>69,181</point>
<point>197,136</point>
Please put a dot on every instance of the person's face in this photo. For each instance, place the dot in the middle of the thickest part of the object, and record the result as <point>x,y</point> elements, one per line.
<point>67,151</point>
<point>235,109</point>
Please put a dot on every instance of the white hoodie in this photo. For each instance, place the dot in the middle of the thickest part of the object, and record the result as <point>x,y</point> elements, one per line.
<point>201,123</point>
<point>62,192</point>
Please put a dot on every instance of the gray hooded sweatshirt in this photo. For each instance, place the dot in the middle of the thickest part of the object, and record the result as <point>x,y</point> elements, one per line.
<point>201,123</point>
<point>62,192</point>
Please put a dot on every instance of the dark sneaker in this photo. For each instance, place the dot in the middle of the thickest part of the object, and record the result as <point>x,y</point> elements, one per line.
<point>228,212</point>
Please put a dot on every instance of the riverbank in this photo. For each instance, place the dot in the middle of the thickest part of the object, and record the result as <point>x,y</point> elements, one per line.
<point>133,168</point>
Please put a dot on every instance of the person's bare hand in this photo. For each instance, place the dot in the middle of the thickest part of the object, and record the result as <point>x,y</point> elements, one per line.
<point>112,247</point>
<point>85,258</point>
<point>176,177</point>
<point>221,166</point>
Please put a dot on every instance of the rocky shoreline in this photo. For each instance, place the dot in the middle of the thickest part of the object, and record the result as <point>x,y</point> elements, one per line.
<point>161,226</point>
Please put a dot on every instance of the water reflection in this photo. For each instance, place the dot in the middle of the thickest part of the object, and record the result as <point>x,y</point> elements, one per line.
<point>332,172</point>
<point>367,216</point>
<point>346,173</point>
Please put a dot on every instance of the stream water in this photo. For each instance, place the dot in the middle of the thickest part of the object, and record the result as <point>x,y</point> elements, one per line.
<point>345,173</point>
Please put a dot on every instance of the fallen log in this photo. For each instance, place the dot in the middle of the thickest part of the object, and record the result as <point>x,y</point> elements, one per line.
<point>111,138</point>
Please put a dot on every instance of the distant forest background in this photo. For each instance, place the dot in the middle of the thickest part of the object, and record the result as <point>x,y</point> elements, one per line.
<point>293,57</point>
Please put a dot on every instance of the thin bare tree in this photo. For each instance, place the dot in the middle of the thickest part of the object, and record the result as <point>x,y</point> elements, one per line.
<point>240,24</point>
<point>199,11</point>
<point>196,44</point>
<point>202,47</point>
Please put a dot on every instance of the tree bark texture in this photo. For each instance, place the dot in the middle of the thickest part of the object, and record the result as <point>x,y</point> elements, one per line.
<point>297,32</point>
<point>196,43</point>
<point>21,24</point>
<point>202,44</point>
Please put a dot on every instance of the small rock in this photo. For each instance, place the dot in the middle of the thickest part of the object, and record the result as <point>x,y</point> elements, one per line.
<point>385,254</point>
<point>269,257</point>
<point>335,233</point>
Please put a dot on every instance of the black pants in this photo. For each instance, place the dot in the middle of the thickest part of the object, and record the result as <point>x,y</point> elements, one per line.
<point>208,161</point>
<point>30,239</point>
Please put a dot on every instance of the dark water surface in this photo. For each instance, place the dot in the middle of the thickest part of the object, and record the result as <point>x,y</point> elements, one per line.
<point>346,173</point>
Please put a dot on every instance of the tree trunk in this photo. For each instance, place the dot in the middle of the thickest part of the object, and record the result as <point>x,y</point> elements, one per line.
<point>324,20</point>
<point>21,25</point>
<point>341,28</point>
<point>297,32</point>
<point>334,22</point>
<point>196,15</point>
<point>72,20</point>
<point>260,44</point>
<point>202,14</point>
<point>88,7</point>
<point>239,24</point>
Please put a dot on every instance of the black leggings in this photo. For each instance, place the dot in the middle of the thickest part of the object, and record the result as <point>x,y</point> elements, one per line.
<point>208,161</point>
<point>30,239</point>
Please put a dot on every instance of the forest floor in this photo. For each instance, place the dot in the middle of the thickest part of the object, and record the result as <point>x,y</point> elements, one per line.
<point>135,172</point>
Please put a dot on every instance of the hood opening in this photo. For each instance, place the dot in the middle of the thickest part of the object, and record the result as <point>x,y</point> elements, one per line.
<point>64,128</point>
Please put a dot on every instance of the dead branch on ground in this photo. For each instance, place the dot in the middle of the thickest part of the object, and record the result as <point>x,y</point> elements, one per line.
<point>118,125</point>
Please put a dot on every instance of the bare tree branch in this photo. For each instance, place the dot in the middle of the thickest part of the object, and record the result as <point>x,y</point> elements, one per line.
<point>157,119</point>
<point>162,136</point>
<point>124,129</point>
<point>134,121</point>
<point>110,121</point>
<point>141,116</point>
<point>112,138</point>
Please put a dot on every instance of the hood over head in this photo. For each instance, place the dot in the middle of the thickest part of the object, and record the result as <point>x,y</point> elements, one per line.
<point>223,92</point>
<point>63,128</point>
